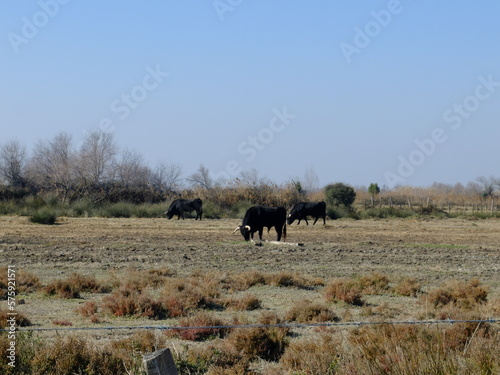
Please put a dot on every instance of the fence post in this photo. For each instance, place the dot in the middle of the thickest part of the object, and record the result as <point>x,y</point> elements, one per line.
<point>159,362</point>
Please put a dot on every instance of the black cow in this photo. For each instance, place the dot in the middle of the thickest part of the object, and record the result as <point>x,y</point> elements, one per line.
<point>179,206</point>
<point>258,217</point>
<point>303,209</point>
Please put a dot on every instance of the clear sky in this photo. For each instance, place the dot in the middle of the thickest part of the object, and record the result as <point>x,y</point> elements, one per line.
<point>393,92</point>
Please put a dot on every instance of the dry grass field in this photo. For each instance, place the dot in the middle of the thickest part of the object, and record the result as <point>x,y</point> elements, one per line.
<point>429,252</point>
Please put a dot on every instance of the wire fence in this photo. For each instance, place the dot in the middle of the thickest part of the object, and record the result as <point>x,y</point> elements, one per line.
<point>243,326</point>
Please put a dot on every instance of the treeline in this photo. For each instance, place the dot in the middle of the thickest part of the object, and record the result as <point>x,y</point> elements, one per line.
<point>98,173</point>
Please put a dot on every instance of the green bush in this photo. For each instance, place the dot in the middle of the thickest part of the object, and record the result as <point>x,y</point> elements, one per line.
<point>339,194</point>
<point>8,208</point>
<point>44,216</point>
<point>212,210</point>
<point>386,212</point>
<point>335,213</point>
<point>120,209</point>
<point>149,210</point>
<point>82,208</point>
<point>239,209</point>
<point>34,202</point>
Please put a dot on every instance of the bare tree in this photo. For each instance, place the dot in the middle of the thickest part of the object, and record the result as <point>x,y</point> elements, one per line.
<point>51,166</point>
<point>201,178</point>
<point>131,169</point>
<point>13,163</point>
<point>96,157</point>
<point>166,176</point>
<point>488,186</point>
<point>311,180</point>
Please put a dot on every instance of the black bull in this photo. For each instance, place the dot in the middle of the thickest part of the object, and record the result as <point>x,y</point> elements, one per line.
<point>179,206</point>
<point>303,209</point>
<point>257,218</point>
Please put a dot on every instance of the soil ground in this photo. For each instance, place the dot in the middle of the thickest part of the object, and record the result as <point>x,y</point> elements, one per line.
<point>431,250</point>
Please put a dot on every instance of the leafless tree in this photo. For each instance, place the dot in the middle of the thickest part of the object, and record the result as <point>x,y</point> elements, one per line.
<point>166,176</point>
<point>13,163</point>
<point>488,186</point>
<point>96,157</point>
<point>131,169</point>
<point>201,178</point>
<point>311,180</point>
<point>51,166</point>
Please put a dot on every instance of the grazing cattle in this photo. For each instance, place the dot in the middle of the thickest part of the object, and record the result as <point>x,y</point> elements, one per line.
<point>179,206</point>
<point>257,218</point>
<point>303,209</point>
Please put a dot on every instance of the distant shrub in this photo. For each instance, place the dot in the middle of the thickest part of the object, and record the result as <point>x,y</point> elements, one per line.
<point>212,210</point>
<point>44,216</point>
<point>386,212</point>
<point>335,213</point>
<point>9,207</point>
<point>82,208</point>
<point>34,202</point>
<point>117,210</point>
<point>239,209</point>
<point>148,210</point>
<point>339,194</point>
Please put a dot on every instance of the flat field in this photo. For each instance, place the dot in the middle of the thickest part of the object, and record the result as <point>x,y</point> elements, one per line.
<point>429,250</point>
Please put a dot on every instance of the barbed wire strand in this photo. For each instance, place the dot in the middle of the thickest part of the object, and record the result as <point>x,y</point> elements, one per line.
<point>283,325</point>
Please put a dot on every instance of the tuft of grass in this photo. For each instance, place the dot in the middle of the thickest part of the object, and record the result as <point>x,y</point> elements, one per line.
<point>267,343</point>
<point>408,287</point>
<point>62,289</point>
<point>130,302</point>
<point>248,302</point>
<point>345,290</point>
<point>292,279</point>
<point>465,295</point>
<point>199,327</point>
<point>74,285</point>
<point>308,312</point>
<point>21,319</point>
<point>313,355</point>
<point>374,283</point>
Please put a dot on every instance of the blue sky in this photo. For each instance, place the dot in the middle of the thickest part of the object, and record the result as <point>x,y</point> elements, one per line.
<point>394,92</point>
